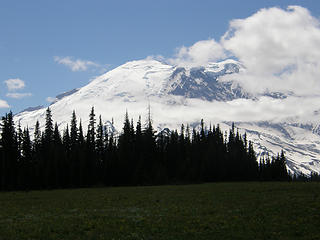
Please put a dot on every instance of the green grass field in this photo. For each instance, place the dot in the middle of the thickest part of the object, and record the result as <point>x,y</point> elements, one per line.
<point>207,211</point>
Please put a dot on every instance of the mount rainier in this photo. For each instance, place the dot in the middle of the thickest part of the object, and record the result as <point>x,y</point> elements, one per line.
<point>185,95</point>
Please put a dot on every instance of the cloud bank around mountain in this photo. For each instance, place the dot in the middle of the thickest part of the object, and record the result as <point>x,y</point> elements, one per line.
<point>199,54</point>
<point>278,47</point>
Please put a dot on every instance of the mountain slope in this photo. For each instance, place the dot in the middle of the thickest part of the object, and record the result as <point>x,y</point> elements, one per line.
<point>299,143</point>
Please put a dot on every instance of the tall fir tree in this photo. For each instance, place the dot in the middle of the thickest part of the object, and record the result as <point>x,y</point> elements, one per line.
<point>37,136</point>
<point>26,161</point>
<point>91,161</point>
<point>91,129</point>
<point>100,138</point>
<point>10,153</point>
<point>73,130</point>
<point>48,131</point>
<point>125,152</point>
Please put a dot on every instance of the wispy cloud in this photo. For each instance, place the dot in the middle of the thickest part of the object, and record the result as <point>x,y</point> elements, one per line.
<point>14,84</point>
<point>76,64</point>
<point>51,99</point>
<point>3,104</point>
<point>18,95</point>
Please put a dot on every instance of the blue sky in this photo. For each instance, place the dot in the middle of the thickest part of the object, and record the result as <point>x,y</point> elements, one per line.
<point>38,38</point>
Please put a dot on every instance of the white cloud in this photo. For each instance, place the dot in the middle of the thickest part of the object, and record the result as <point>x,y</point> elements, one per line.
<point>18,95</point>
<point>51,99</point>
<point>77,64</point>
<point>14,84</point>
<point>279,48</point>
<point>198,54</point>
<point>3,104</point>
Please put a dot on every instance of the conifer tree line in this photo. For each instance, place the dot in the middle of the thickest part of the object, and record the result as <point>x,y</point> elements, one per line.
<point>138,156</point>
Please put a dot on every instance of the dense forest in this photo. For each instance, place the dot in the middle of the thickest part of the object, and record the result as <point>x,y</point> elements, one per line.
<point>137,156</point>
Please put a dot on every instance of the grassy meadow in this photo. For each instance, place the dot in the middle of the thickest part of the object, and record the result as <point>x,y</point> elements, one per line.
<point>268,210</point>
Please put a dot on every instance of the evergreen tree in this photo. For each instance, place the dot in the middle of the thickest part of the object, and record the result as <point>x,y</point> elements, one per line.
<point>37,156</point>
<point>26,161</point>
<point>66,139</point>
<point>59,159</point>
<point>150,162</point>
<point>81,163</point>
<point>48,131</point>
<point>100,150</point>
<point>252,165</point>
<point>47,165</point>
<point>100,139</point>
<point>281,169</point>
<point>56,135</point>
<point>125,153</point>
<point>80,137</point>
<point>37,137</point>
<point>73,131</point>
<point>19,140</point>
<point>2,167</point>
<point>91,129</point>
<point>136,158</point>
<point>10,153</point>
<point>91,161</point>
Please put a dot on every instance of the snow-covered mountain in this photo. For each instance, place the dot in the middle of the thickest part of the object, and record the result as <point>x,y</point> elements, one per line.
<point>185,95</point>
<point>135,84</point>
